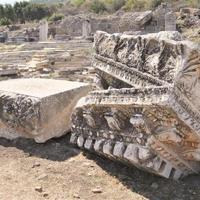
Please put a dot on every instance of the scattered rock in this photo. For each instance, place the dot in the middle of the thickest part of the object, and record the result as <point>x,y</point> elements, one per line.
<point>36,165</point>
<point>97,190</point>
<point>45,194</point>
<point>87,164</point>
<point>38,189</point>
<point>89,174</point>
<point>76,196</point>
<point>42,177</point>
<point>72,160</point>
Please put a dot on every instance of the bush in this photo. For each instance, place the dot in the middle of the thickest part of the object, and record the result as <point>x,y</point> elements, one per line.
<point>194,3</point>
<point>4,21</point>
<point>56,17</point>
<point>135,4</point>
<point>113,5</point>
<point>97,6</point>
<point>77,3</point>
<point>24,11</point>
<point>36,12</point>
<point>9,12</point>
<point>154,3</point>
<point>117,4</point>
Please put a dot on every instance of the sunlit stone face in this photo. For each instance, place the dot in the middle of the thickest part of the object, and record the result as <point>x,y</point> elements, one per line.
<point>38,108</point>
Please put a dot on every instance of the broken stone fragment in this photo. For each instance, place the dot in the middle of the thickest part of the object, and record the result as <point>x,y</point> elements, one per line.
<point>143,18</point>
<point>148,113</point>
<point>97,190</point>
<point>38,189</point>
<point>9,72</point>
<point>38,108</point>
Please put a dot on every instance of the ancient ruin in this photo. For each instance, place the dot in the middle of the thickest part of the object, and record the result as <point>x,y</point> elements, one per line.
<point>144,110</point>
<point>170,21</point>
<point>43,32</point>
<point>86,29</point>
<point>147,110</point>
<point>38,108</point>
<point>146,22</point>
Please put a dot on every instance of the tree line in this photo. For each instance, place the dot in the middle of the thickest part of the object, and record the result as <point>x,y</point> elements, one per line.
<point>24,11</point>
<point>100,6</point>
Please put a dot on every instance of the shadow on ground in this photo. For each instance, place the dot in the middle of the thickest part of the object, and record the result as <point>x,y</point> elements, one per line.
<point>143,183</point>
<point>149,185</point>
<point>55,149</point>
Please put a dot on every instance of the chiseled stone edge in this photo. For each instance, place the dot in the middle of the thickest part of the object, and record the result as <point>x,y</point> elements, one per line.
<point>20,111</point>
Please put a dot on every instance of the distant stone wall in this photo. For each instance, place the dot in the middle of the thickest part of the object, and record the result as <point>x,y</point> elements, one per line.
<point>72,25</point>
<point>146,22</point>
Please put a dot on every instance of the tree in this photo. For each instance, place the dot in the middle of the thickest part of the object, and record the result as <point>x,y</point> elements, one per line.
<point>98,6</point>
<point>56,17</point>
<point>36,11</point>
<point>4,21</point>
<point>9,12</point>
<point>19,10</point>
<point>1,11</point>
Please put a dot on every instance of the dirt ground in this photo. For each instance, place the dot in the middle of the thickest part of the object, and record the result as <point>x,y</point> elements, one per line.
<point>59,171</point>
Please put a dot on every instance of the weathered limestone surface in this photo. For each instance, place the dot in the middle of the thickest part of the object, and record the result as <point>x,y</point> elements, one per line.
<point>43,32</point>
<point>170,21</point>
<point>8,72</point>
<point>136,60</point>
<point>86,29</point>
<point>38,108</point>
<point>154,123</point>
<point>147,22</point>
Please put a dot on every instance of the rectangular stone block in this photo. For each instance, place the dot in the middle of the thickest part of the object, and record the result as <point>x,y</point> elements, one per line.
<point>8,72</point>
<point>38,108</point>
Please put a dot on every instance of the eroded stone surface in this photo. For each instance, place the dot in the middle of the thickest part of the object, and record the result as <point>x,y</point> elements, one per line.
<point>154,122</point>
<point>38,108</point>
<point>144,60</point>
